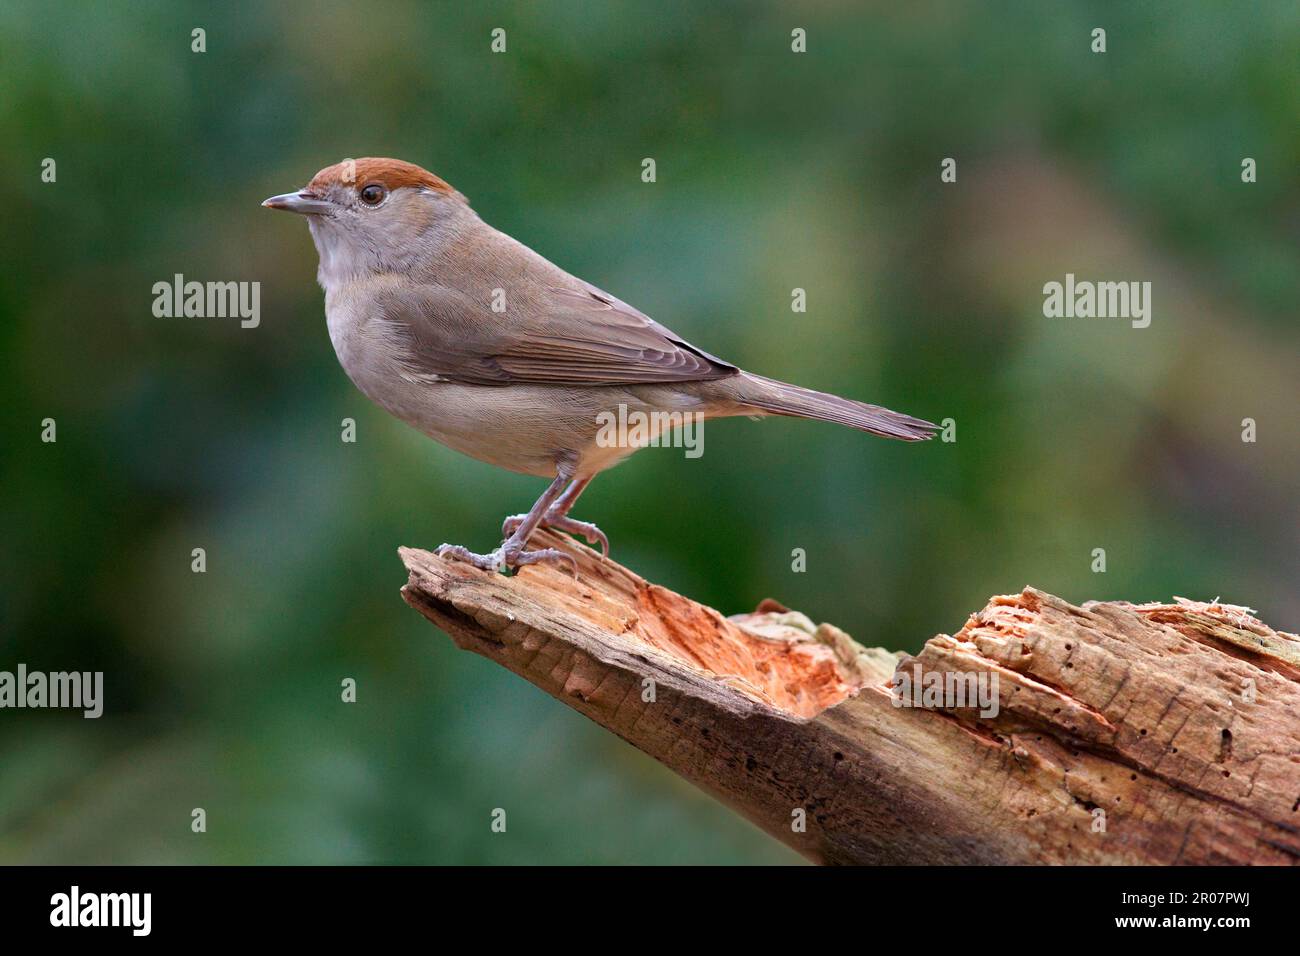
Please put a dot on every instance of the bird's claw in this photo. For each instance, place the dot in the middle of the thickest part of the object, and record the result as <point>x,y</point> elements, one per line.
<point>584,529</point>
<point>486,562</point>
<point>502,559</point>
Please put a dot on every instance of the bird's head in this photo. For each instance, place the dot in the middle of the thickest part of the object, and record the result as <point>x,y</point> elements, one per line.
<point>374,215</point>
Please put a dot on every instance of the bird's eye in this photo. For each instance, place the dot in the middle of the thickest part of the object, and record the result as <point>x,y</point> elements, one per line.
<point>373,194</point>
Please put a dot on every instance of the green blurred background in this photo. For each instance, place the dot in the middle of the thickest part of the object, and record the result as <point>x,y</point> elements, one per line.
<point>775,171</point>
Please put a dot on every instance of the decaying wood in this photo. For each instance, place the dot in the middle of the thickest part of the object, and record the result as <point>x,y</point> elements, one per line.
<point>1159,733</point>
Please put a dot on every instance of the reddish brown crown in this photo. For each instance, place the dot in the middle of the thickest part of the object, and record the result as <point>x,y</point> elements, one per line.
<point>390,173</point>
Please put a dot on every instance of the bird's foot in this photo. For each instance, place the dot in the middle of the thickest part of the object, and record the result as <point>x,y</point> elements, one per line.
<point>506,559</point>
<point>585,529</point>
<point>487,562</point>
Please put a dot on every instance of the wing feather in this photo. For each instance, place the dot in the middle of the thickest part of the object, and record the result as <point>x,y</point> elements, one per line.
<point>579,336</point>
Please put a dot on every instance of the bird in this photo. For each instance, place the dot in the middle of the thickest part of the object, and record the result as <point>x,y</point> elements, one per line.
<point>482,344</point>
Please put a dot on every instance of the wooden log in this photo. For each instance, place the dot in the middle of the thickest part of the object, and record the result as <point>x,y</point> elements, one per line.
<point>1150,734</point>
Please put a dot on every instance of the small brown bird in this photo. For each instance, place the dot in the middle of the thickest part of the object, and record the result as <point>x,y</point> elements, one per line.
<point>483,345</point>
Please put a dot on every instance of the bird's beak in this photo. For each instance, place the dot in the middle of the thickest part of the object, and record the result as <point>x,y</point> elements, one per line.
<point>301,202</point>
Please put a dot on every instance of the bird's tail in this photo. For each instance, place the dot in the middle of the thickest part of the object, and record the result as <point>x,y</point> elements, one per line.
<point>769,396</point>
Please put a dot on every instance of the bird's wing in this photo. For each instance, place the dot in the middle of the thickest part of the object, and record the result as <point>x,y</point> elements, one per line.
<point>577,336</point>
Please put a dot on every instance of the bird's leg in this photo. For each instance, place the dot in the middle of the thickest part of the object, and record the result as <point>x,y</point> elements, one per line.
<point>557,517</point>
<point>511,554</point>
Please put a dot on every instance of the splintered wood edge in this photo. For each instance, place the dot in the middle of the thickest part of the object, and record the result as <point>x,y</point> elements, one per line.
<point>1185,712</point>
<point>481,614</point>
<point>776,658</point>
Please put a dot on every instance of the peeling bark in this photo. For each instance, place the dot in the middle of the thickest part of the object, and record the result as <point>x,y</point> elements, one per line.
<point>1147,734</point>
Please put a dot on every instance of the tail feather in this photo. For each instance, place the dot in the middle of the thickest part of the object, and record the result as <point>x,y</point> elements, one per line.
<point>778,398</point>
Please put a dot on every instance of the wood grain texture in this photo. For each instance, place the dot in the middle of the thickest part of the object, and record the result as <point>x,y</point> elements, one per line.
<point>1147,734</point>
